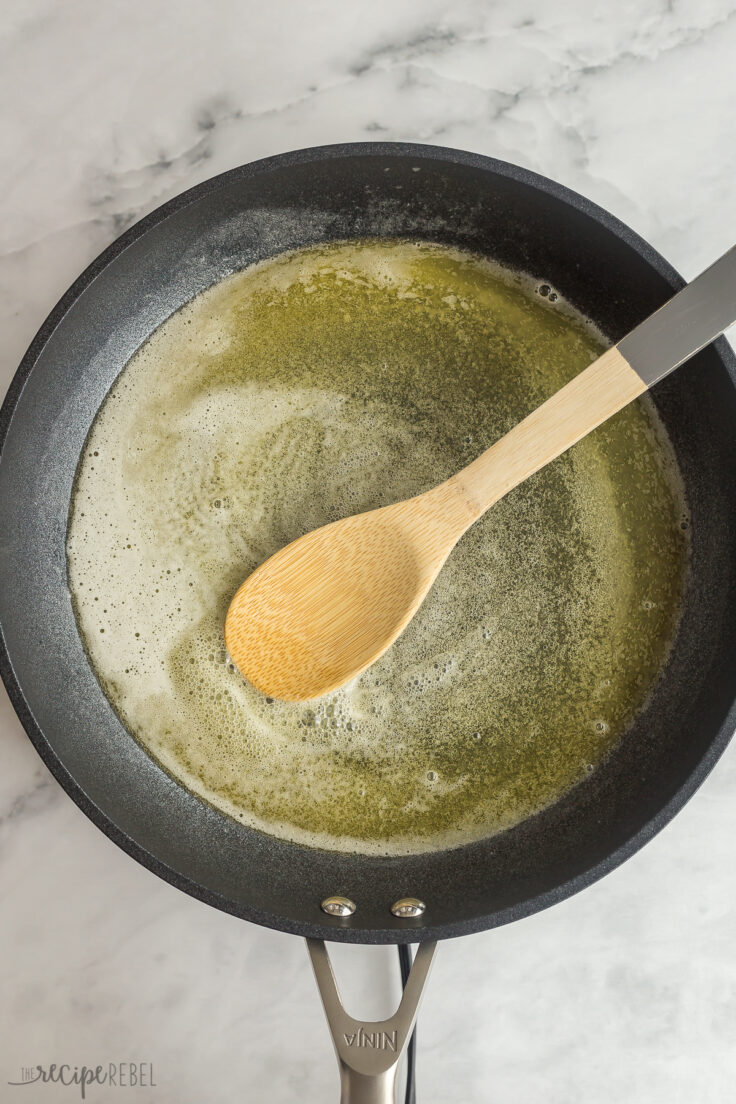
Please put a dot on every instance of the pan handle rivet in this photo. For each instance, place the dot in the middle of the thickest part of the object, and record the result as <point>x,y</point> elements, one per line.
<point>408,908</point>
<point>338,906</point>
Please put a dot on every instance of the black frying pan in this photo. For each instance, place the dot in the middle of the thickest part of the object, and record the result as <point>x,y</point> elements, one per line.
<point>253,212</point>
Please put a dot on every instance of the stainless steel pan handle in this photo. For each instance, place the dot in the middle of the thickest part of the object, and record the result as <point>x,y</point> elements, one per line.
<point>368,1053</point>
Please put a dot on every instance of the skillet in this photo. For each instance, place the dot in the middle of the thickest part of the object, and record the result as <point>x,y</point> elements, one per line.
<point>256,211</point>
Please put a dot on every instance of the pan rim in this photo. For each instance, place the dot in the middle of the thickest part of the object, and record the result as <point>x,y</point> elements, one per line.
<point>330,930</point>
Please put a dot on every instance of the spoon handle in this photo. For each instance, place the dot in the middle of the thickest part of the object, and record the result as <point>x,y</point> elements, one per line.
<point>670,336</point>
<point>685,324</point>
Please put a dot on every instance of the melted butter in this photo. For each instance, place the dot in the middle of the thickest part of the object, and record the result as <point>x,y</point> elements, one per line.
<point>334,380</point>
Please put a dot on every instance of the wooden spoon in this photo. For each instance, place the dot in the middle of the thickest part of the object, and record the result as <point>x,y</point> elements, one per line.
<point>324,608</point>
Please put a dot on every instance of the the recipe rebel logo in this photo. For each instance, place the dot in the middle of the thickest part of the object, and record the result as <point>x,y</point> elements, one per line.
<point>117,1075</point>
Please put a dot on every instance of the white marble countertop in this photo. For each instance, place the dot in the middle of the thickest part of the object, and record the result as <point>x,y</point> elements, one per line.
<point>627,992</point>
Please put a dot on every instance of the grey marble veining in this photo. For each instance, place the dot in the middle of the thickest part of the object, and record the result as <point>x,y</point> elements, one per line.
<point>626,992</point>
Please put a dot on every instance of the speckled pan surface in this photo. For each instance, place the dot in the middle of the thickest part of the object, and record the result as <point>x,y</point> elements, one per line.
<point>248,214</point>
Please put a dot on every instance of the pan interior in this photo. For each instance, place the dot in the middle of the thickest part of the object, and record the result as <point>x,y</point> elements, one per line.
<point>334,380</point>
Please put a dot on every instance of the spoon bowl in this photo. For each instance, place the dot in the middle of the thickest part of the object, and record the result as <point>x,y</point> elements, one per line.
<point>325,607</point>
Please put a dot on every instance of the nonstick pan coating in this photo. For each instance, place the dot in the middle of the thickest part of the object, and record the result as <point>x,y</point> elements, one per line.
<point>253,212</point>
